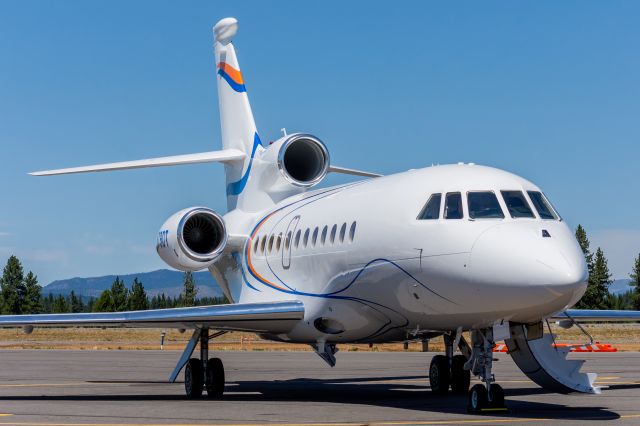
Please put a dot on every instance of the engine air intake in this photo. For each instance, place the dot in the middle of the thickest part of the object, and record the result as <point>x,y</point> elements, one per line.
<point>202,234</point>
<point>303,160</point>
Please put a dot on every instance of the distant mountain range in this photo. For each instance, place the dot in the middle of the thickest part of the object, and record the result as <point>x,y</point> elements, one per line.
<point>156,282</point>
<point>620,286</point>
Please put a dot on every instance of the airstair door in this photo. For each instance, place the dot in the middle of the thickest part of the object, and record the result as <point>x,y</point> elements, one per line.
<point>289,235</point>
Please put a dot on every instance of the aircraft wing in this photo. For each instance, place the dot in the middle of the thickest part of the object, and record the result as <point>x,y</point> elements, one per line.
<point>273,317</point>
<point>592,315</point>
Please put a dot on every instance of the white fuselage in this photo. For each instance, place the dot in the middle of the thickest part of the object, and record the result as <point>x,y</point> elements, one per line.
<point>367,269</point>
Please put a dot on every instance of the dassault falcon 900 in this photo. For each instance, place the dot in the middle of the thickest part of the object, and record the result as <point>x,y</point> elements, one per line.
<point>469,249</point>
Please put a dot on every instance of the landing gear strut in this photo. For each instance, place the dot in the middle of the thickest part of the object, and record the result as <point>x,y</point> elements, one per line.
<point>448,370</point>
<point>487,397</point>
<point>203,373</point>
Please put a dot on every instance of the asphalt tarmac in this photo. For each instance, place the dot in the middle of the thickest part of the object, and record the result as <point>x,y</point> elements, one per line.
<point>56,387</point>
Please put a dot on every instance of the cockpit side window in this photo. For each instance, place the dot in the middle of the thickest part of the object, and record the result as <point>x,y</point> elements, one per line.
<point>431,210</point>
<point>517,204</point>
<point>453,206</point>
<point>542,205</point>
<point>484,205</point>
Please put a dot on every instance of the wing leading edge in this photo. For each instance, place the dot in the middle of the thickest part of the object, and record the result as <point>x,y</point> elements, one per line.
<point>274,317</point>
<point>598,315</point>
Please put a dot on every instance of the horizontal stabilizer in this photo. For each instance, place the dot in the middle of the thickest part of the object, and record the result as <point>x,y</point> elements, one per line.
<point>345,171</point>
<point>272,317</point>
<point>223,156</point>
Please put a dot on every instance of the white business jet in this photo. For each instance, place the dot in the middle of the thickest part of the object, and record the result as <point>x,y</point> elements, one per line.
<point>431,252</point>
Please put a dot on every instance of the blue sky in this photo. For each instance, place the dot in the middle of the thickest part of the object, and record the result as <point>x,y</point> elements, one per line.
<point>548,90</point>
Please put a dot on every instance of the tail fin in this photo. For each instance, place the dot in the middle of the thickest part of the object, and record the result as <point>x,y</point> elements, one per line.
<point>236,119</point>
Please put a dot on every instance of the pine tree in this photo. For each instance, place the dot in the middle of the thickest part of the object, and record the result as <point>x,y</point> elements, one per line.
<point>190,291</point>
<point>138,297</point>
<point>48,303</point>
<point>620,301</point>
<point>587,299</point>
<point>60,305</point>
<point>119,295</point>
<point>12,284</point>
<point>75,303</point>
<point>599,280</point>
<point>32,302</point>
<point>635,283</point>
<point>581,236</point>
<point>104,302</point>
<point>91,305</point>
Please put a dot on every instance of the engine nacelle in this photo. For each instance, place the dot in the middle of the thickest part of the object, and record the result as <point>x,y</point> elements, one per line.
<point>192,239</point>
<point>302,161</point>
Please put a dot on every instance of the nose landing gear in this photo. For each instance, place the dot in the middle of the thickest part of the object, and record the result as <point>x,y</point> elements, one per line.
<point>487,397</point>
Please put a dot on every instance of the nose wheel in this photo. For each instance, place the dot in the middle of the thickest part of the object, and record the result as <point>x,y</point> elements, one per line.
<point>487,397</point>
<point>481,400</point>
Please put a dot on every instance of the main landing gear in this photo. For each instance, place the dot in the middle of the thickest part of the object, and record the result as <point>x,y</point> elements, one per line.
<point>203,373</point>
<point>447,371</point>
<point>453,372</point>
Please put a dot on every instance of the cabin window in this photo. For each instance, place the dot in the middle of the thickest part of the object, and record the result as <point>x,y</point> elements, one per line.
<point>484,205</point>
<point>334,229</point>
<point>314,240</point>
<point>542,205</point>
<point>343,231</point>
<point>263,244</point>
<point>352,232</point>
<point>517,204</point>
<point>305,239</point>
<point>431,210</point>
<point>287,241</point>
<point>278,242</point>
<point>298,238</point>
<point>271,243</point>
<point>453,206</point>
<point>255,245</point>
<point>323,238</point>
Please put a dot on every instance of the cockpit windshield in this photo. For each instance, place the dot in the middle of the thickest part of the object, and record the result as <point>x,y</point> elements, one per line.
<point>484,205</point>
<point>517,204</point>
<point>542,205</point>
<point>453,206</point>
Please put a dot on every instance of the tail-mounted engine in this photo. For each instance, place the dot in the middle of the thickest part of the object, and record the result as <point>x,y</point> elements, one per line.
<point>192,239</point>
<point>301,161</point>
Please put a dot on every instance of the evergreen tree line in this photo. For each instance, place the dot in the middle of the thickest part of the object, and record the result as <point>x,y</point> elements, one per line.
<point>20,294</point>
<point>597,295</point>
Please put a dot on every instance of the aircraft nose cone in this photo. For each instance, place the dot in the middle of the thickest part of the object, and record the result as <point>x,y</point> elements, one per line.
<point>517,255</point>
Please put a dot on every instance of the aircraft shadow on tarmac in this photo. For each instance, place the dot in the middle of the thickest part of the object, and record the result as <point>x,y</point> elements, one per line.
<point>403,392</point>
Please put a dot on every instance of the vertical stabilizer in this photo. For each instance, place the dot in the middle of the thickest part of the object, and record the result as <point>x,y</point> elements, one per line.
<point>236,119</point>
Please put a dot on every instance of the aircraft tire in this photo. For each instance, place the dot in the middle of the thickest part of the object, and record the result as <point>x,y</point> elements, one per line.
<point>439,375</point>
<point>193,378</point>
<point>460,378</point>
<point>215,378</point>
<point>497,396</point>
<point>478,399</point>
